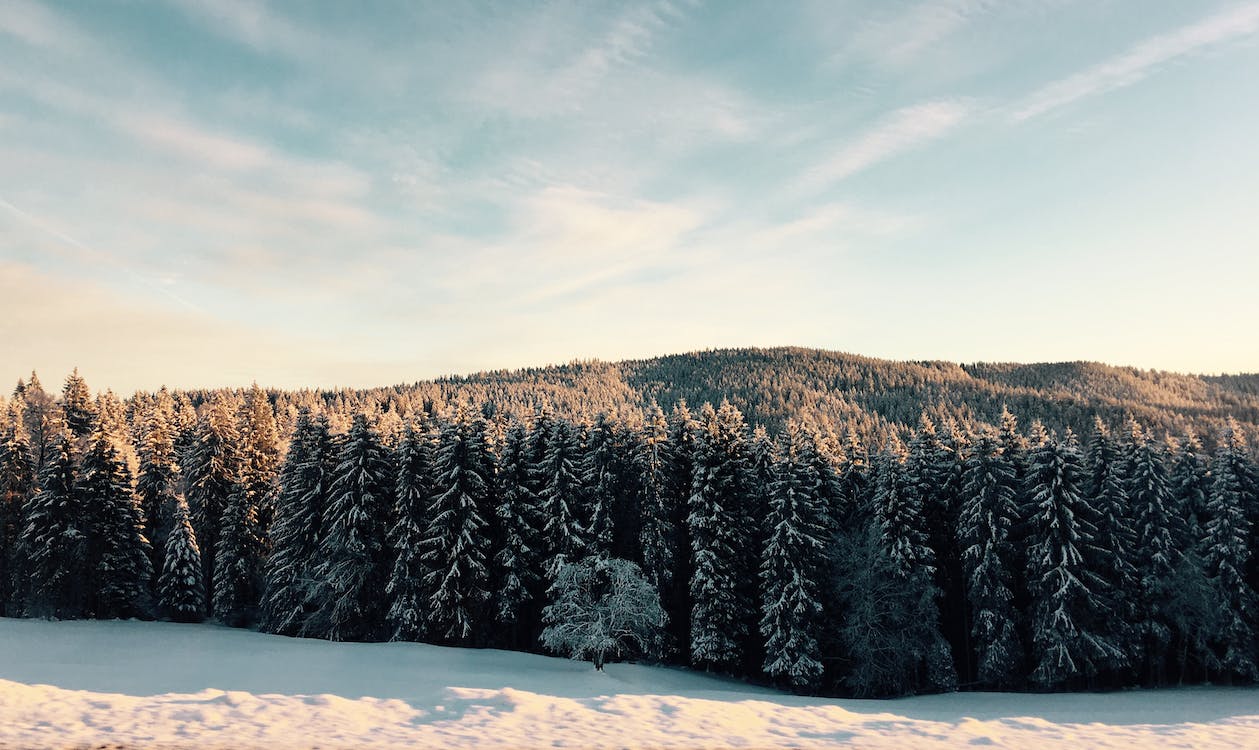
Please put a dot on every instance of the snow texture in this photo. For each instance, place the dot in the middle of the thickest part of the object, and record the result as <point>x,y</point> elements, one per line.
<point>162,685</point>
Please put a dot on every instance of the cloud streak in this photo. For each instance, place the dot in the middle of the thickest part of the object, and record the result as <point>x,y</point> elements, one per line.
<point>1141,60</point>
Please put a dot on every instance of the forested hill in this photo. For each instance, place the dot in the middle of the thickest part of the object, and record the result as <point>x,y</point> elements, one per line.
<point>846,391</point>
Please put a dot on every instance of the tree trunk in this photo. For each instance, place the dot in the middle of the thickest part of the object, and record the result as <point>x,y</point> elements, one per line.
<point>598,661</point>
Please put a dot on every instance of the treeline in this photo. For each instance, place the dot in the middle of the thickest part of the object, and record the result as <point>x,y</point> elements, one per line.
<point>974,557</point>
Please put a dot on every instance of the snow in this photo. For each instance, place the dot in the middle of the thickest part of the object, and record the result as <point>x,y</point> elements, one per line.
<point>137,685</point>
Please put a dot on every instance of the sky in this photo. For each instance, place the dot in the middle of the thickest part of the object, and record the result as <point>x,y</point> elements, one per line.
<point>213,192</point>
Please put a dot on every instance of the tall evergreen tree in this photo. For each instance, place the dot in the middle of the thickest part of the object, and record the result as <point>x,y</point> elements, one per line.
<point>209,470</point>
<point>17,475</point>
<point>157,484</point>
<point>180,587</point>
<point>53,544</point>
<point>793,564</point>
<point>719,527</point>
<point>76,405</point>
<point>518,559</point>
<point>354,559</point>
<point>1156,554</point>
<point>118,549</point>
<point>1106,493</point>
<point>259,456</point>
<point>657,535</point>
<point>563,494</point>
<point>1069,644</point>
<point>455,561</point>
<point>599,474</point>
<point>988,517</point>
<point>1228,553</point>
<point>405,590</point>
<point>306,480</point>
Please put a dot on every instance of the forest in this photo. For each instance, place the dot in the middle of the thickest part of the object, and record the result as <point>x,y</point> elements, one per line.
<point>826,523</point>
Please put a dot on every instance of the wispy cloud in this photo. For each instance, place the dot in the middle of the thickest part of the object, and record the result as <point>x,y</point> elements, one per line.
<point>905,129</point>
<point>1141,60</point>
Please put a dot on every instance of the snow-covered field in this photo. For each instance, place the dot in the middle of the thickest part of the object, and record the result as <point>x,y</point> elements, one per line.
<point>159,685</point>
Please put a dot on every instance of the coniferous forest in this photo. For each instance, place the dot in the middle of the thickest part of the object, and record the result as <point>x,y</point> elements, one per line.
<point>826,523</point>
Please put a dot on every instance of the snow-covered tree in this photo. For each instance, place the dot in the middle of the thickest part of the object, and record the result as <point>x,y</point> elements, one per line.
<point>17,482</point>
<point>180,587</point>
<point>988,517</point>
<point>1106,494</point>
<point>76,405</point>
<point>157,483</point>
<point>354,563</point>
<point>53,544</point>
<point>209,470</point>
<point>563,494</point>
<point>1069,609</point>
<point>1229,531</point>
<point>602,606</point>
<point>117,547</point>
<point>413,458</point>
<point>792,565</point>
<point>721,607</point>
<point>1156,554</point>
<point>518,562</point>
<point>455,556</point>
<point>599,473</point>
<point>657,534</point>
<point>259,455</point>
<point>306,479</point>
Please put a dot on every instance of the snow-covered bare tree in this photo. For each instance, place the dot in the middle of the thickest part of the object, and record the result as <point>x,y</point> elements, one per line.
<point>601,607</point>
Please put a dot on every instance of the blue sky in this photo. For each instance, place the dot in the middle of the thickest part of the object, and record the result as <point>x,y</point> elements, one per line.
<point>203,192</point>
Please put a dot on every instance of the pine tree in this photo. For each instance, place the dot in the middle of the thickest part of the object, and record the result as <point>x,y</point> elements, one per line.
<point>455,561</point>
<point>679,454</point>
<point>1155,552</point>
<point>563,494</point>
<point>988,517</point>
<point>306,479</point>
<point>237,578</point>
<point>76,405</point>
<point>1227,555</point>
<point>405,590</point>
<point>900,518</point>
<point>719,528</point>
<point>118,549</point>
<point>518,561</point>
<point>792,564</point>
<point>657,535</point>
<point>1106,492</point>
<point>17,473</point>
<point>54,540</point>
<point>598,473</point>
<point>42,420</point>
<point>259,456</point>
<point>354,559</point>
<point>1069,612</point>
<point>181,588</point>
<point>158,482</point>
<point>209,470</point>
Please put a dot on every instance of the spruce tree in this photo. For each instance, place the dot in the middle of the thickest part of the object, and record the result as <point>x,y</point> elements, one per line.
<point>1106,493</point>
<point>53,544</point>
<point>181,588</point>
<point>1069,643</point>
<point>405,589</point>
<point>599,474</point>
<point>259,456</point>
<point>354,561</point>
<point>518,560</point>
<point>657,535</point>
<point>118,550</point>
<point>238,552</point>
<point>306,479</point>
<point>720,531</point>
<point>1156,554</point>
<point>1228,535</point>
<point>563,494</point>
<point>455,561</point>
<point>76,405</point>
<point>157,484</point>
<point>17,474</point>
<point>988,517</point>
<point>209,471</point>
<point>793,564</point>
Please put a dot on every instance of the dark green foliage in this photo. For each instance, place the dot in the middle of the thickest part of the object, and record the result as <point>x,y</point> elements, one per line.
<point>180,587</point>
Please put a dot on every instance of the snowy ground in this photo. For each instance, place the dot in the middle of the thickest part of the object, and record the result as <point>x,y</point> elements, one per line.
<point>158,685</point>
